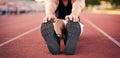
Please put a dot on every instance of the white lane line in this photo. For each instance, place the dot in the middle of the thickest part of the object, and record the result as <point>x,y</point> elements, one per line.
<point>17,37</point>
<point>101,31</point>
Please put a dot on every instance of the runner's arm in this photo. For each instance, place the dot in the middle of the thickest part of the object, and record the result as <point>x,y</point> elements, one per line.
<point>77,7</point>
<point>50,6</point>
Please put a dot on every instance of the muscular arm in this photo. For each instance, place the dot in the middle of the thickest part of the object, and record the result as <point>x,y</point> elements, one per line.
<point>77,5</point>
<point>50,6</point>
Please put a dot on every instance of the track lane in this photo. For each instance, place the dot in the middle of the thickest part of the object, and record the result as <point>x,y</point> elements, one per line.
<point>92,44</point>
<point>108,22</point>
<point>12,26</point>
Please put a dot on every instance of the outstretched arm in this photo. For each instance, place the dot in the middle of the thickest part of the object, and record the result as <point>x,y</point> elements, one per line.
<point>77,7</point>
<point>50,7</point>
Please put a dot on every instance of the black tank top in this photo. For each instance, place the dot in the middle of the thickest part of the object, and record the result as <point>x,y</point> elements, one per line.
<point>62,10</point>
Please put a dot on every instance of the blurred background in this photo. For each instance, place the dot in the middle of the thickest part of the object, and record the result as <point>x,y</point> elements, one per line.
<point>20,6</point>
<point>108,6</point>
<point>29,6</point>
<point>20,35</point>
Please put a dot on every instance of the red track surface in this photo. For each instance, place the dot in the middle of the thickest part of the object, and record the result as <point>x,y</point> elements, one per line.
<point>92,44</point>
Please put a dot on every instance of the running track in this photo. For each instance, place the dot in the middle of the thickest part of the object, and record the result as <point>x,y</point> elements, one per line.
<point>20,37</point>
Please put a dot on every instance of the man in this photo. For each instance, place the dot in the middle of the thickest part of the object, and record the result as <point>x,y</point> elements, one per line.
<point>62,21</point>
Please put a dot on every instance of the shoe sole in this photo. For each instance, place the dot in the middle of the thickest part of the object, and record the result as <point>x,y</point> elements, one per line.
<point>47,30</point>
<point>73,33</point>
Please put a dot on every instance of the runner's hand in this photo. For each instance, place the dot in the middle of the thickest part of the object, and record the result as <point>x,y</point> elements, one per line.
<point>73,18</point>
<point>48,18</point>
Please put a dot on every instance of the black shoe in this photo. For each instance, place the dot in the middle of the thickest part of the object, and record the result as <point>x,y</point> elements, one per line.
<point>52,40</point>
<point>73,33</point>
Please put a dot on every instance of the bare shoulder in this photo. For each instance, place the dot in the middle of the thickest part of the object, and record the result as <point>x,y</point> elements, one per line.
<point>78,1</point>
<point>54,1</point>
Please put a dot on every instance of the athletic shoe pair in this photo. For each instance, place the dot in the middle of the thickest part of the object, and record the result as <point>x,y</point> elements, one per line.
<point>73,31</point>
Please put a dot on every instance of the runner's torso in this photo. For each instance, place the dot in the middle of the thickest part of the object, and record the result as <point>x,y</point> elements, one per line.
<point>63,10</point>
